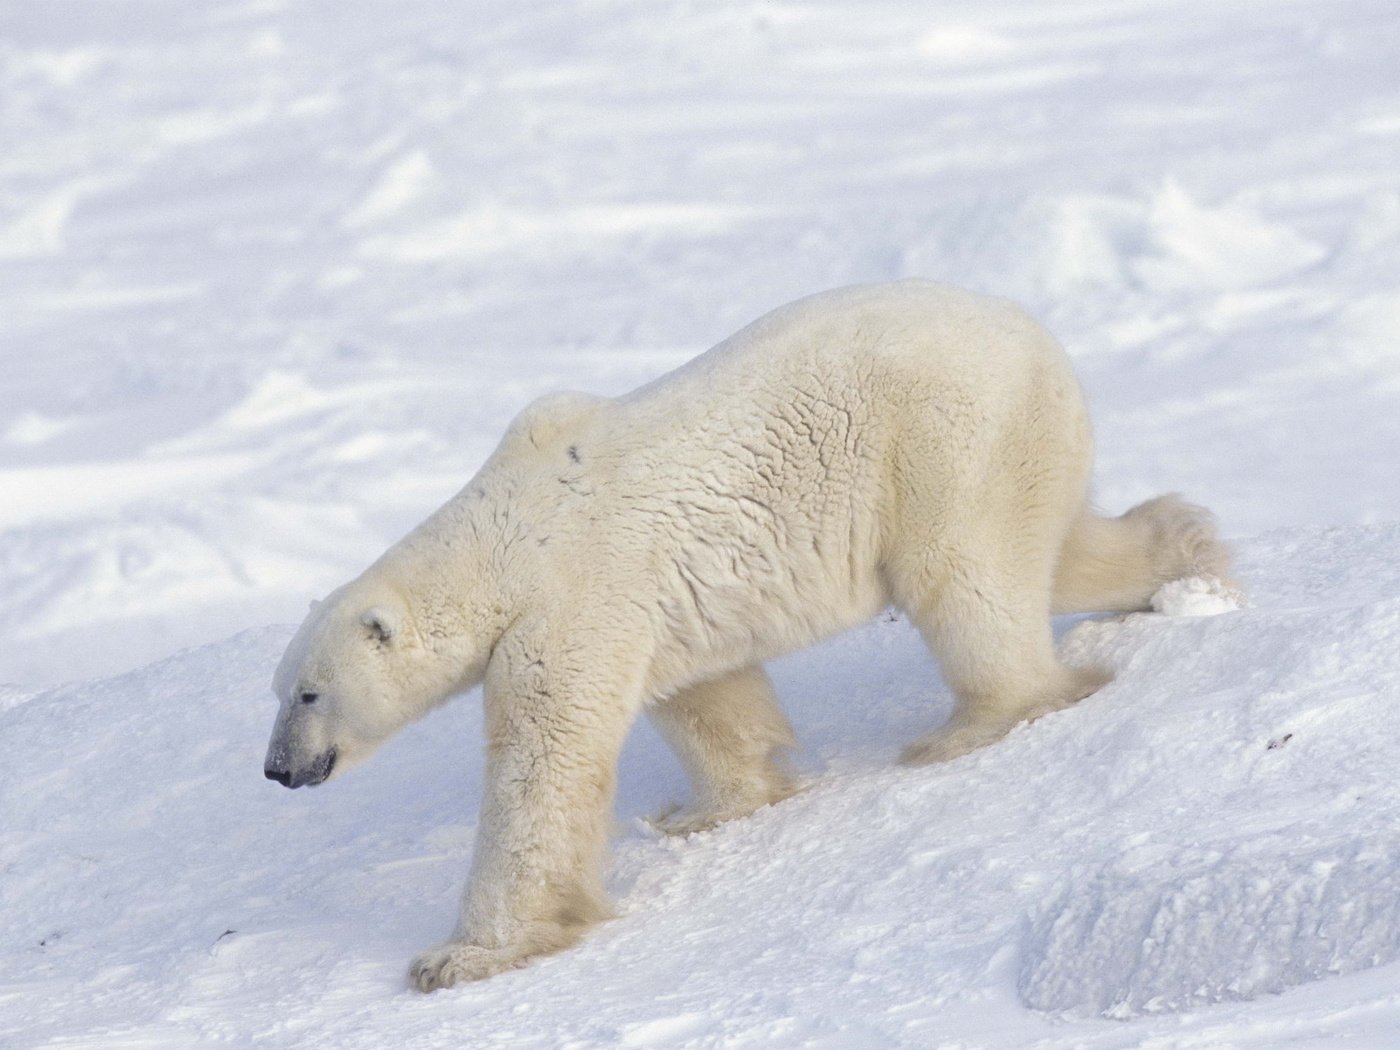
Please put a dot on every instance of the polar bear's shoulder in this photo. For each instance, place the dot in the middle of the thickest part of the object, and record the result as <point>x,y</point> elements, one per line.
<point>552,419</point>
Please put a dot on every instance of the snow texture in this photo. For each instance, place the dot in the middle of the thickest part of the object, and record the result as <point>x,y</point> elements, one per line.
<point>276,275</point>
<point>1196,596</point>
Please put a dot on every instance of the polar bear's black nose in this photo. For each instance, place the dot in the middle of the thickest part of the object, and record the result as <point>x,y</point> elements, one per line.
<point>282,776</point>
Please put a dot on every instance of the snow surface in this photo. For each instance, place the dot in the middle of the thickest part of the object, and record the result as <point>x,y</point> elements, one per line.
<point>275,274</point>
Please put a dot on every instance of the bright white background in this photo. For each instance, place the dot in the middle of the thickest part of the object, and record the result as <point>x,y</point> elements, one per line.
<point>275,275</point>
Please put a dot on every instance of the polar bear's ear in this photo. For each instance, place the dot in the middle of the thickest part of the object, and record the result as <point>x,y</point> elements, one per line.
<point>383,623</point>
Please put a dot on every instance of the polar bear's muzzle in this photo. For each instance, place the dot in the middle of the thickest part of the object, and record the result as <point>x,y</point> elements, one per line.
<point>315,773</point>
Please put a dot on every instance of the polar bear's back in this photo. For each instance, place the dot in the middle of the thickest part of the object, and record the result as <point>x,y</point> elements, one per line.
<point>922,325</point>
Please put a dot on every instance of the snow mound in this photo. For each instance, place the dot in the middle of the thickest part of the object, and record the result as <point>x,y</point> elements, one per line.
<point>1196,596</point>
<point>1227,246</point>
<point>1163,242</point>
<point>1154,933</point>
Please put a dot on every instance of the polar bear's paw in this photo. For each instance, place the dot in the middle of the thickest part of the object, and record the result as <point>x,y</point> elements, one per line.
<point>682,820</point>
<point>769,789</point>
<point>968,730</point>
<point>953,742</point>
<point>1183,539</point>
<point>457,962</point>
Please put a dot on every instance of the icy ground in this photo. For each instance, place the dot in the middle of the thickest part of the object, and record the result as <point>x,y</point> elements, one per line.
<point>275,274</point>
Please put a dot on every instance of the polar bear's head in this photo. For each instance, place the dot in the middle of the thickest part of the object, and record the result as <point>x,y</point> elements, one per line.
<point>356,671</point>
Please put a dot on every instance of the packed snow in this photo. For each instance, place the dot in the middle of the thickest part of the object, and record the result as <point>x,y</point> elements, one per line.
<point>274,276</point>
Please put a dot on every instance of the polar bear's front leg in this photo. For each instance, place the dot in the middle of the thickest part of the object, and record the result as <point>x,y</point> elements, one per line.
<point>536,883</point>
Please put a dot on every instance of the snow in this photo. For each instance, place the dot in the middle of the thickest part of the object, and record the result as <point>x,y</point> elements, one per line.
<point>277,274</point>
<point>1197,596</point>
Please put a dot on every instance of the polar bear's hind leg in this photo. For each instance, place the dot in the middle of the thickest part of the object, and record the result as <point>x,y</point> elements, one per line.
<point>986,617</point>
<point>729,734</point>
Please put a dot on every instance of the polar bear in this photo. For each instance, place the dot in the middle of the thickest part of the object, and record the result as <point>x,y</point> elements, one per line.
<point>909,444</point>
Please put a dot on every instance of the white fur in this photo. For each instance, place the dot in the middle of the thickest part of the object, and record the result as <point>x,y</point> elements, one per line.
<point>907,443</point>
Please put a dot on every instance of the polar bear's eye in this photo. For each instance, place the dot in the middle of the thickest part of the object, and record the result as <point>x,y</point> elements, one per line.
<point>309,697</point>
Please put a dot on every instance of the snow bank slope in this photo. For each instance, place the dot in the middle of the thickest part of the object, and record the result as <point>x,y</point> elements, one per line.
<point>1273,859</point>
<point>1219,823</point>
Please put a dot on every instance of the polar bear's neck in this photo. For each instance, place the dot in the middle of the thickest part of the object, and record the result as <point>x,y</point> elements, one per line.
<point>448,574</point>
